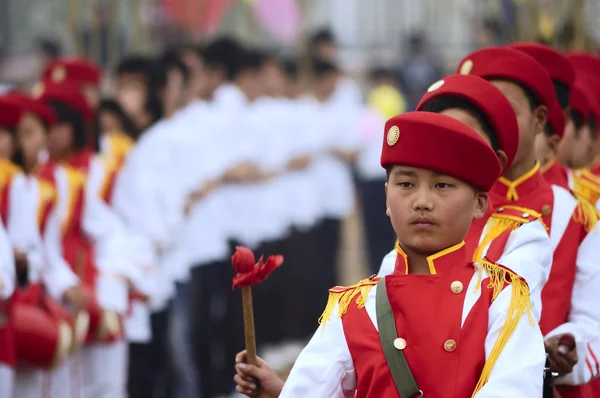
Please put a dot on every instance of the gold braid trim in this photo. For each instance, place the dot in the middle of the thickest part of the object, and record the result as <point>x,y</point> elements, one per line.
<point>586,214</point>
<point>586,187</point>
<point>343,297</point>
<point>519,304</point>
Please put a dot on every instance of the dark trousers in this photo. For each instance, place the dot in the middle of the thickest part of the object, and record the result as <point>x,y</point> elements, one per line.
<point>321,269</point>
<point>149,371</point>
<point>210,292</point>
<point>380,235</point>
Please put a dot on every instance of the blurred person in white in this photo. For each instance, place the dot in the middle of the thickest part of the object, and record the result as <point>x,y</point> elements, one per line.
<point>137,199</point>
<point>337,124</point>
<point>323,46</point>
<point>383,102</point>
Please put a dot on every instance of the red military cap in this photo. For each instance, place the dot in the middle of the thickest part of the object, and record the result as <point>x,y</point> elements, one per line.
<point>501,63</point>
<point>66,93</point>
<point>10,113</point>
<point>488,100</point>
<point>72,69</point>
<point>584,62</point>
<point>556,118</point>
<point>30,105</point>
<point>579,100</point>
<point>438,142</point>
<point>556,64</point>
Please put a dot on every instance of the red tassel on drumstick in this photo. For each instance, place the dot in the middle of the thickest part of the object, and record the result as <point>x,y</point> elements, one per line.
<point>249,273</point>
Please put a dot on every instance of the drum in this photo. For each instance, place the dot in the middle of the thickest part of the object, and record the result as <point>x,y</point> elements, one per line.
<point>40,339</point>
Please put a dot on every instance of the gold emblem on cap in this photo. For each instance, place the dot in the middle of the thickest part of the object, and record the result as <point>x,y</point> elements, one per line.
<point>466,67</point>
<point>58,74</point>
<point>37,90</point>
<point>436,86</point>
<point>393,135</point>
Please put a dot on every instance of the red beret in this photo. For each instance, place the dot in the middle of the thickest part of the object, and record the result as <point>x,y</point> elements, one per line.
<point>556,118</point>
<point>501,63</point>
<point>66,93</point>
<point>10,113</point>
<point>488,100</point>
<point>556,64</point>
<point>585,62</point>
<point>30,105</point>
<point>438,142</point>
<point>76,70</point>
<point>579,100</point>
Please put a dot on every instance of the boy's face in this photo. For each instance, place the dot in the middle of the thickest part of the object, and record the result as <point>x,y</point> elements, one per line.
<point>31,136</point>
<point>531,123</point>
<point>132,92</point>
<point>61,140</point>
<point>431,211</point>
<point>566,146</point>
<point>7,144</point>
<point>583,151</point>
<point>545,147</point>
<point>92,95</point>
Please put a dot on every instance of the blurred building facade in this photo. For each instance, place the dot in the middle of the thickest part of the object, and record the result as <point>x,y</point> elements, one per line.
<point>368,31</point>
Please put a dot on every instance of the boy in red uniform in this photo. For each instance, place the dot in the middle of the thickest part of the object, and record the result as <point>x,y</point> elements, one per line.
<point>464,310</point>
<point>568,296</point>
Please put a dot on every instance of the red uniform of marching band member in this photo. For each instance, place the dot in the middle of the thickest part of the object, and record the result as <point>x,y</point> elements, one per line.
<point>91,238</point>
<point>8,359</point>
<point>438,307</point>
<point>568,296</point>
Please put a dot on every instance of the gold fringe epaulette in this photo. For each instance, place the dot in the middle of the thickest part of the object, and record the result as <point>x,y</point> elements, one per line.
<point>586,214</point>
<point>507,218</point>
<point>343,296</point>
<point>520,304</point>
<point>586,185</point>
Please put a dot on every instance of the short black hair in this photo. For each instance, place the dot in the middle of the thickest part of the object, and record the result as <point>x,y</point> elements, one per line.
<point>593,123</point>
<point>109,105</point>
<point>441,103</point>
<point>150,68</point>
<point>250,60</point>
<point>67,114</point>
<point>562,94</point>
<point>155,76</point>
<point>172,60</point>
<point>223,53</point>
<point>321,67</point>
<point>290,67</point>
<point>578,119</point>
<point>321,36</point>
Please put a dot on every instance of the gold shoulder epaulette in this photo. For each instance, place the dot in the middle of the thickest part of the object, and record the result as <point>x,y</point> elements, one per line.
<point>506,218</point>
<point>343,296</point>
<point>586,185</point>
<point>8,168</point>
<point>74,175</point>
<point>499,277</point>
<point>585,213</point>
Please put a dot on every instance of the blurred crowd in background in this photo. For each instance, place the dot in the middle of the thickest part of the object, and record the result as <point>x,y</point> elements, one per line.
<point>334,71</point>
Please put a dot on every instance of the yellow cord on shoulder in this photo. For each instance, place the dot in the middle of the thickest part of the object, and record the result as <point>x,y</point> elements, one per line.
<point>586,214</point>
<point>496,226</point>
<point>519,304</point>
<point>344,296</point>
